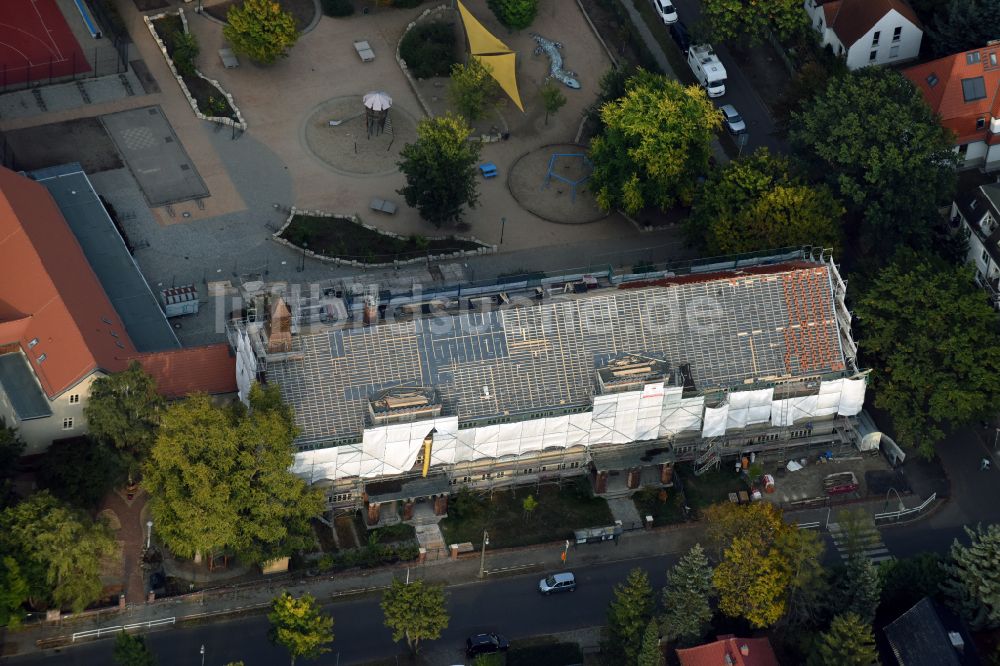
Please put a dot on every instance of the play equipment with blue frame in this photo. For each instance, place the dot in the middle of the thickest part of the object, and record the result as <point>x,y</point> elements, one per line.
<point>551,173</point>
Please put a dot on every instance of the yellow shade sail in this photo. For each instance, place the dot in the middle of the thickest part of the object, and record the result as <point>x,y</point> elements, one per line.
<point>494,54</point>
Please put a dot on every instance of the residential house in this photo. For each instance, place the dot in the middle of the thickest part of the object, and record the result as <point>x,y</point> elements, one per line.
<point>867,32</point>
<point>964,90</point>
<point>929,635</point>
<point>977,213</point>
<point>728,650</point>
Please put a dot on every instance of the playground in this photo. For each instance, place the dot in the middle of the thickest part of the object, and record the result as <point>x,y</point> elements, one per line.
<point>36,43</point>
<point>551,182</point>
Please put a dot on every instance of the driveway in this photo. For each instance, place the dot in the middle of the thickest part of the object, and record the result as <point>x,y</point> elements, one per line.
<point>739,91</point>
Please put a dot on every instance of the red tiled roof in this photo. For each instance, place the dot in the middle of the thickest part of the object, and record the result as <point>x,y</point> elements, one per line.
<point>49,292</point>
<point>759,653</point>
<point>179,372</point>
<point>946,97</point>
<point>852,19</point>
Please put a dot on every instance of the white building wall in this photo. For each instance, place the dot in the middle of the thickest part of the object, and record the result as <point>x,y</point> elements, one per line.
<point>67,419</point>
<point>886,51</point>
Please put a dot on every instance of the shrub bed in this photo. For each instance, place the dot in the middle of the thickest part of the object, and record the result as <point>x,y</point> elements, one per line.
<point>342,238</point>
<point>429,49</point>
<point>338,8</point>
<point>372,555</point>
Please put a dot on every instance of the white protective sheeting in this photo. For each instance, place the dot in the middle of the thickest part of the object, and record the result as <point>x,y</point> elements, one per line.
<point>626,417</point>
<point>828,401</point>
<point>716,419</point>
<point>556,430</point>
<point>246,366</point>
<point>786,412</point>
<point>852,398</point>
<point>680,415</point>
<point>759,408</point>
<point>739,410</point>
<point>603,418</point>
<point>650,407</point>
<point>578,432</point>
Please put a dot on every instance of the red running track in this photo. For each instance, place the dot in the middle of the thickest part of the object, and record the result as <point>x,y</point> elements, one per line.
<point>36,43</point>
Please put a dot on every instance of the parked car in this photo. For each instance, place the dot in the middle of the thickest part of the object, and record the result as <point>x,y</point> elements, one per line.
<point>560,582</point>
<point>665,10</point>
<point>485,644</point>
<point>734,121</point>
<point>680,34</point>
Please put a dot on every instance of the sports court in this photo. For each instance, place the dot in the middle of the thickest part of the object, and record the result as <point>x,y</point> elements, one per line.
<point>36,43</point>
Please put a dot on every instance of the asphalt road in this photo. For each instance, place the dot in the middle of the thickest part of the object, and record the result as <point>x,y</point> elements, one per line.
<point>739,92</point>
<point>511,606</point>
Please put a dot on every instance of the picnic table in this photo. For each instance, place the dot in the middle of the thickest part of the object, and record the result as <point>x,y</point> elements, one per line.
<point>229,60</point>
<point>364,50</point>
<point>383,206</point>
<point>489,170</point>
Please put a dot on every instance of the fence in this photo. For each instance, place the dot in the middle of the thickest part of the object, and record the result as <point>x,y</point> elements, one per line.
<point>890,516</point>
<point>103,631</point>
<point>106,57</point>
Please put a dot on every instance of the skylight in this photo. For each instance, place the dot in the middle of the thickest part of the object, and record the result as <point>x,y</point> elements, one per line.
<point>932,80</point>
<point>973,89</point>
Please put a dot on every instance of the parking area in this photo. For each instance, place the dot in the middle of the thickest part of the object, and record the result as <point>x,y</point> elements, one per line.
<point>875,477</point>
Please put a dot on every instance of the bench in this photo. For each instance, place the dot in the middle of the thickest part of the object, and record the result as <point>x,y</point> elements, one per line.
<point>229,60</point>
<point>364,50</point>
<point>489,170</point>
<point>383,206</point>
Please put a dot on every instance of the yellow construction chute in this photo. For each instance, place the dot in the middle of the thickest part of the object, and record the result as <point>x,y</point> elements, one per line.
<point>491,52</point>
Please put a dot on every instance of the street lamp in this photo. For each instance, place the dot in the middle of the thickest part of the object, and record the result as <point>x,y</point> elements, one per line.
<point>900,499</point>
<point>149,532</point>
<point>202,655</point>
<point>482,558</point>
<point>503,223</point>
<point>302,265</point>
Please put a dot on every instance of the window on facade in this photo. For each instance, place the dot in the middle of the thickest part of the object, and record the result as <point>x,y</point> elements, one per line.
<point>896,33</point>
<point>985,257</point>
<point>575,463</point>
<point>527,470</point>
<point>962,150</point>
<point>980,123</point>
<point>993,59</point>
<point>972,58</point>
<point>894,52</point>
<point>501,474</point>
<point>871,56</point>
<point>68,423</point>
<point>74,399</point>
<point>875,38</point>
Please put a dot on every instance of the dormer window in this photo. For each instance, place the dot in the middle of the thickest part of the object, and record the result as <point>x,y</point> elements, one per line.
<point>32,343</point>
<point>42,358</point>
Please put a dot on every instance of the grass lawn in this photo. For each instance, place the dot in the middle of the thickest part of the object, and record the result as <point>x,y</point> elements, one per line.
<point>335,237</point>
<point>664,512</point>
<point>711,487</point>
<point>559,512</point>
<point>391,534</point>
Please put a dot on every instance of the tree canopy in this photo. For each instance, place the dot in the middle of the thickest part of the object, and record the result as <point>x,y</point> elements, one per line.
<point>219,479</point>
<point>848,642</point>
<point>440,169</point>
<point>11,449</point>
<point>131,650</point>
<point>514,14</point>
<point>414,611</point>
<point>650,653</point>
<point>260,30</point>
<point>656,142</point>
<point>756,203</point>
<point>686,597</point>
<point>932,340</point>
<point>628,615</point>
<point>730,20</point>
<point>553,98</point>
<point>972,585</point>
<point>300,626</point>
<point>964,25</point>
<point>472,88</point>
<point>57,550</point>
<point>858,588</point>
<point>81,471</point>
<point>872,138</point>
<point>123,412</point>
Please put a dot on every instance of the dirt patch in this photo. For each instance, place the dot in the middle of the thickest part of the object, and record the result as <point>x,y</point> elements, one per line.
<point>83,140</point>
<point>347,147</point>
<point>304,11</point>
<point>552,198</point>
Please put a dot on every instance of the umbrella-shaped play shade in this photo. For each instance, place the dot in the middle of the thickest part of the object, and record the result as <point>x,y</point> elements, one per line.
<point>377,101</point>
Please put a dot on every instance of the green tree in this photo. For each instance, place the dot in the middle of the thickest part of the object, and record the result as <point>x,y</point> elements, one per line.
<point>185,51</point>
<point>471,88</point>
<point>756,203</point>
<point>611,87</point>
<point>415,612</point>
<point>123,412</point>
<point>219,479</point>
<point>14,591</point>
<point>907,580</point>
<point>730,20</point>
<point>131,650</point>
<point>440,170</point>
<point>807,598</point>
<point>650,653</point>
<point>686,597</point>
<point>514,14</point>
<point>58,550</point>
<point>656,142</point>
<point>81,471</point>
<point>260,29</point>
<point>552,99</point>
<point>529,505</point>
<point>858,588</point>
<point>932,340</point>
<point>628,614</point>
<point>964,25</point>
<point>872,138</point>
<point>300,626</point>
<point>11,450</point>
<point>848,642</point>
<point>972,586</point>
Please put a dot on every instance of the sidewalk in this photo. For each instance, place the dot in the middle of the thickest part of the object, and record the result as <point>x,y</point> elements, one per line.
<point>465,570</point>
